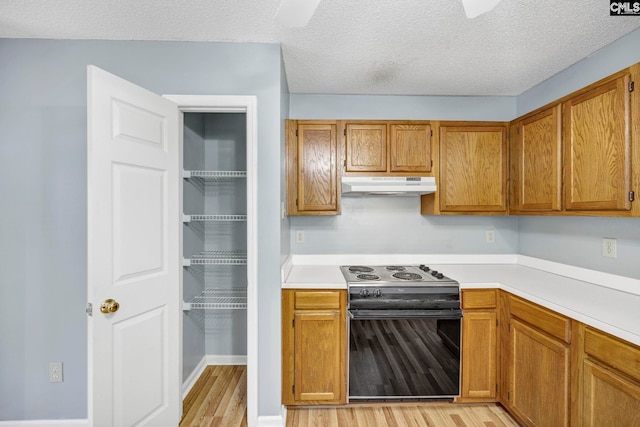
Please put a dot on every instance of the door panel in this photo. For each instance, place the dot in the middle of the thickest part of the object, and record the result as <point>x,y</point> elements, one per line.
<point>598,148</point>
<point>133,254</point>
<point>366,146</point>
<point>410,147</point>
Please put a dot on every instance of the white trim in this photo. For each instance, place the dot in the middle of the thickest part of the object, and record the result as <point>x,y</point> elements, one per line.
<point>249,105</point>
<point>270,421</point>
<point>45,423</point>
<point>608,280</point>
<point>188,384</point>
<point>224,359</point>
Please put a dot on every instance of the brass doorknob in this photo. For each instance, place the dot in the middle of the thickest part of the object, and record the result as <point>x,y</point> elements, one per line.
<point>109,306</point>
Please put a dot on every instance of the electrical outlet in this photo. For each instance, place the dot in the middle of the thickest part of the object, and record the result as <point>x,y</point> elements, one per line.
<point>491,236</point>
<point>299,236</point>
<point>55,372</point>
<point>609,248</point>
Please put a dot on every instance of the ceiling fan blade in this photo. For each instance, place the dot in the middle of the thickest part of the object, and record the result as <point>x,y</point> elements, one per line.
<point>296,13</point>
<point>473,8</point>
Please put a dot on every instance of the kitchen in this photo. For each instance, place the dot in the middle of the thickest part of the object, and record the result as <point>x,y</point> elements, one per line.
<point>45,209</point>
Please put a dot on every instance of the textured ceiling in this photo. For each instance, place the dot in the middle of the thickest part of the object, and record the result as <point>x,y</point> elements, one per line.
<point>406,47</point>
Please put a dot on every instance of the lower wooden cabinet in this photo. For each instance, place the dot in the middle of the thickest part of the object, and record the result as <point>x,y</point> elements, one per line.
<point>479,358</point>
<point>538,377</point>
<point>610,382</point>
<point>314,347</point>
<point>538,364</point>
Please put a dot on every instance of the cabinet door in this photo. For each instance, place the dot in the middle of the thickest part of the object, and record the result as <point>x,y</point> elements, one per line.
<point>317,357</point>
<point>538,148</point>
<point>410,148</point>
<point>312,166</point>
<point>610,399</point>
<point>538,377</point>
<point>366,147</point>
<point>473,167</point>
<point>598,148</point>
<point>479,356</point>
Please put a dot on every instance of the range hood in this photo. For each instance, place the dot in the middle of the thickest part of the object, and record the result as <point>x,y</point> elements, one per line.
<point>388,185</point>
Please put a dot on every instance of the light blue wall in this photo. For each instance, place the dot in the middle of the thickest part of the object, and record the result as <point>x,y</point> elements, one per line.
<point>285,233</point>
<point>572,240</point>
<point>612,58</point>
<point>43,226</point>
<point>393,225</point>
<point>497,108</point>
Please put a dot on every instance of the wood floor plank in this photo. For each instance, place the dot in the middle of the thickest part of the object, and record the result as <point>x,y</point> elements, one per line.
<point>218,399</point>
<point>426,414</point>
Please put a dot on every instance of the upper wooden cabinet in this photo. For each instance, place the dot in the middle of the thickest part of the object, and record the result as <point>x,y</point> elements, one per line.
<point>473,167</point>
<point>312,168</point>
<point>387,148</point>
<point>536,162</point>
<point>597,168</point>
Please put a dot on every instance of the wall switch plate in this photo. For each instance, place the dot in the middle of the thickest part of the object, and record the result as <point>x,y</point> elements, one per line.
<point>609,248</point>
<point>491,236</point>
<point>55,372</point>
<point>283,211</point>
<point>299,236</point>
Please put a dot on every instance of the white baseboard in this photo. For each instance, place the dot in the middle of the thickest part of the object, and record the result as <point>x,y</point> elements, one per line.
<point>188,383</point>
<point>213,359</point>
<point>45,423</point>
<point>271,421</point>
<point>209,359</point>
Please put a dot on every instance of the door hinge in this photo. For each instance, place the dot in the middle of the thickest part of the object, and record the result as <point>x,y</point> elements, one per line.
<point>496,388</point>
<point>496,322</point>
<point>296,132</point>
<point>432,163</point>
<point>509,326</point>
<point>296,203</point>
<point>508,395</point>
<point>631,86</point>
<point>293,389</point>
<point>431,131</point>
<point>89,309</point>
<point>293,323</point>
<point>344,163</point>
<point>632,196</point>
<point>344,131</point>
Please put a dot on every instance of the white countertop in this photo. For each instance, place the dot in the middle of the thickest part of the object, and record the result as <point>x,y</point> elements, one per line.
<point>609,303</point>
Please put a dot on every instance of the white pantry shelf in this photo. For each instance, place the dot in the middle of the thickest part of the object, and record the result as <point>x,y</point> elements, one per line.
<point>216,218</point>
<point>219,299</point>
<point>217,258</point>
<point>213,175</point>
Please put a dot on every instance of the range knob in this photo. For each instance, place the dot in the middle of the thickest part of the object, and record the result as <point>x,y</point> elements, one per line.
<point>377,293</point>
<point>424,268</point>
<point>434,273</point>
<point>364,293</point>
<point>440,276</point>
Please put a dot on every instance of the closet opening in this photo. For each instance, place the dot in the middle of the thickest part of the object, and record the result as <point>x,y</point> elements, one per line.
<point>219,246</point>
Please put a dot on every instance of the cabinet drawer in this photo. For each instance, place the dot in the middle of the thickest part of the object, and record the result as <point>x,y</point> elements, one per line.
<point>552,323</point>
<point>620,355</point>
<point>478,298</point>
<point>309,300</point>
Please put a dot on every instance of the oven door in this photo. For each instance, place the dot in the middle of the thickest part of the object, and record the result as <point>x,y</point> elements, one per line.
<point>404,354</point>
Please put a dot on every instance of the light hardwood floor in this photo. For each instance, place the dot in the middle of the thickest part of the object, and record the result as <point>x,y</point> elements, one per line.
<point>219,399</point>
<point>403,415</point>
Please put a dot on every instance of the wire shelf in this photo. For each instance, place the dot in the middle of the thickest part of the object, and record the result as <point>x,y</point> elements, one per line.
<point>203,218</point>
<point>217,257</point>
<point>213,175</point>
<point>219,298</point>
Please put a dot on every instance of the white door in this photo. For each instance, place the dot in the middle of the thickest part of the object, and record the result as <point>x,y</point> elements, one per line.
<point>133,254</point>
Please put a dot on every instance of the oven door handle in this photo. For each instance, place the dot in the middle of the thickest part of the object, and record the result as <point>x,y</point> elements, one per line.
<point>403,314</point>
